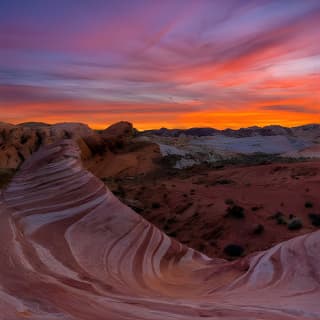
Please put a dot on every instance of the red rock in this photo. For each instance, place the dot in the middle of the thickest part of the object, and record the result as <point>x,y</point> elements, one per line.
<point>119,130</point>
<point>74,251</point>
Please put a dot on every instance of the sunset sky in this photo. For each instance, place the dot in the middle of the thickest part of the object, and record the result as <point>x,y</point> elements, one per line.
<point>160,63</point>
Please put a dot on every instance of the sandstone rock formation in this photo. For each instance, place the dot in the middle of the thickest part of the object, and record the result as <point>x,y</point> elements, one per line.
<point>108,152</point>
<point>119,129</point>
<point>18,142</point>
<point>71,250</point>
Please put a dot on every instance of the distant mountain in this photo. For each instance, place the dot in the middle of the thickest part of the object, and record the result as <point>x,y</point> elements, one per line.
<point>34,124</point>
<point>199,132</point>
<point>272,130</point>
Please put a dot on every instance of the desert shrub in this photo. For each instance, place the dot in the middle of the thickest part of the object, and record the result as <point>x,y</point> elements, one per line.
<point>235,211</point>
<point>233,250</point>
<point>281,220</point>
<point>135,208</point>
<point>308,204</point>
<point>258,229</point>
<point>229,201</point>
<point>315,219</point>
<point>276,215</point>
<point>155,205</point>
<point>120,192</point>
<point>223,181</point>
<point>279,217</point>
<point>295,224</point>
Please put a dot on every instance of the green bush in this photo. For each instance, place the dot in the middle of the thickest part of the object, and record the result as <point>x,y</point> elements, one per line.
<point>279,217</point>
<point>229,201</point>
<point>315,219</point>
<point>258,229</point>
<point>308,204</point>
<point>223,181</point>
<point>236,212</point>
<point>295,224</point>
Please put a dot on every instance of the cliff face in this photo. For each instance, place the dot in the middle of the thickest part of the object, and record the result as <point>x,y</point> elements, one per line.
<point>18,142</point>
<point>73,251</point>
<point>108,152</point>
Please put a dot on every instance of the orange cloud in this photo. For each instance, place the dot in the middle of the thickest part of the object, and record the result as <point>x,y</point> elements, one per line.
<point>200,63</point>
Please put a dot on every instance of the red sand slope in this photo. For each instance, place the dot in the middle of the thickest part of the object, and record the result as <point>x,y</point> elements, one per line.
<point>71,250</point>
<point>193,203</point>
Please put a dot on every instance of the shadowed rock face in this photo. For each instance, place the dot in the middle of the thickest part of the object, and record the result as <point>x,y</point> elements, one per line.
<point>71,250</point>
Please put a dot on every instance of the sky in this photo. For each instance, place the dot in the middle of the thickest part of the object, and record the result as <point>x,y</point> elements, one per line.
<point>221,64</point>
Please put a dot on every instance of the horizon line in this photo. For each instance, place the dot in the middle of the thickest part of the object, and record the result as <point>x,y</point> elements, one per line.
<point>159,128</point>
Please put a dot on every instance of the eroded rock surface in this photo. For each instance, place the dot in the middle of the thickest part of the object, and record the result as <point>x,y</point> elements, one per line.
<point>71,250</point>
<point>18,142</point>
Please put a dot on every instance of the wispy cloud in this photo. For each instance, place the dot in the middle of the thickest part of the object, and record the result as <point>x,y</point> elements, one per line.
<point>139,59</point>
<point>288,108</point>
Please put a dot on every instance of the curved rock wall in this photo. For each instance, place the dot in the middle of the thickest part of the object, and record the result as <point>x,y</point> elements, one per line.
<point>71,250</point>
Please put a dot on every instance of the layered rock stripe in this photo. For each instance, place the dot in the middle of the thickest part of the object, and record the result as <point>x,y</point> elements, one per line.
<point>71,250</point>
